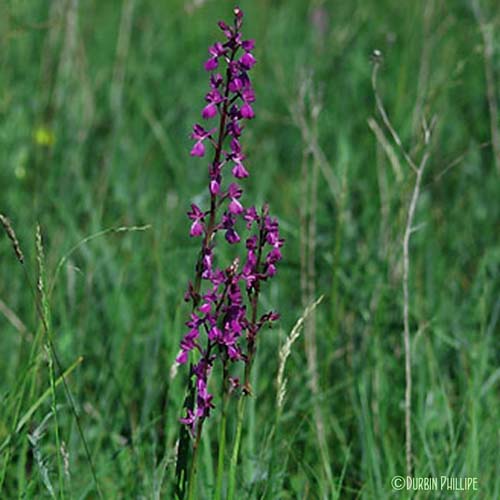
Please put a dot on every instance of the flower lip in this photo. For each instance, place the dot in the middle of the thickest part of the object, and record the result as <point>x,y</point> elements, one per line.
<point>247,60</point>
<point>211,64</point>
<point>247,111</point>
<point>198,149</point>
<point>209,111</point>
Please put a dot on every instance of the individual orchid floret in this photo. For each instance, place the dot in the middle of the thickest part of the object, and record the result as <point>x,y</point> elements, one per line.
<point>213,98</point>
<point>248,97</point>
<point>237,157</point>
<point>217,50</point>
<point>247,60</point>
<point>228,223</point>
<point>248,45</point>
<point>197,216</point>
<point>199,134</point>
<point>234,192</point>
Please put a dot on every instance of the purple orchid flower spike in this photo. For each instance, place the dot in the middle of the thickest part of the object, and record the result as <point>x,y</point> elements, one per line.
<point>224,322</point>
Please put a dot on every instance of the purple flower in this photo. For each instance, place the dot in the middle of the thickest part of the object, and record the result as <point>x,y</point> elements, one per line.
<point>214,333</point>
<point>234,128</point>
<point>217,50</point>
<point>235,207</point>
<point>199,134</point>
<point>205,308</point>
<point>236,155</point>
<point>239,171</point>
<point>217,277</point>
<point>206,264</point>
<point>189,420</point>
<point>181,359</point>
<point>213,98</point>
<point>248,45</point>
<point>211,64</point>
<point>209,111</point>
<point>247,111</point>
<point>188,343</point>
<point>273,256</point>
<point>196,228</point>
<point>228,221</point>
<point>234,192</point>
<point>226,29</point>
<point>247,61</point>
<point>232,236</point>
<point>251,216</point>
<point>214,187</point>
<point>204,399</point>
<point>197,216</point>
<point>216,80</point>
<point>198,149</point>
<point>235,85</point>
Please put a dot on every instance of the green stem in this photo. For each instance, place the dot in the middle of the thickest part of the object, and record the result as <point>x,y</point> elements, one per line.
<point>194,465</point>
<point>273,439</point>
<point>222,437</point>
<point>236,448</point>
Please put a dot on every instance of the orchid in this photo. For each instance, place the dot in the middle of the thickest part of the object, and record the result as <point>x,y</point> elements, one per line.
<point>224,322</point>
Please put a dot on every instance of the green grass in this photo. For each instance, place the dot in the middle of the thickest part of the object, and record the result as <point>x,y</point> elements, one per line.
<point>116,103</point>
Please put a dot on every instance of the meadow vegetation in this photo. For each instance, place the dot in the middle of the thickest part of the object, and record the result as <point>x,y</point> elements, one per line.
<point>97,100</point>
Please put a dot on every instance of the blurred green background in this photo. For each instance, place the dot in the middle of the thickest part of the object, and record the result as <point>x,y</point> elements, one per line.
<point>97,100</point>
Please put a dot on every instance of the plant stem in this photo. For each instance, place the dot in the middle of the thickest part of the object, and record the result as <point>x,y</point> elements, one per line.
<point>406,315</point>
<point>236,448</point>
<point>222,435</point>
<point>194,464</point>
<point>45,317</point>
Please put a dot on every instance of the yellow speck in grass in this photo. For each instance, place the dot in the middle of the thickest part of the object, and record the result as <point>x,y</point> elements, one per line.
<point>44,136</point>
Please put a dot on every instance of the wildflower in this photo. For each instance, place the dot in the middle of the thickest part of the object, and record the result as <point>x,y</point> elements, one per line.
<point>236,155</point>
<point>213,98</point>
<point>197,216</point>
<point>224,321</point>
<point>234,192</point>
<point>199,134</point>
<point>217,50</point>
<point>247,60</point>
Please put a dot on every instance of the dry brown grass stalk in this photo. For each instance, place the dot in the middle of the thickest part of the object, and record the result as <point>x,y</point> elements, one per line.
<point>419,169</point>
<point>306,112</point>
